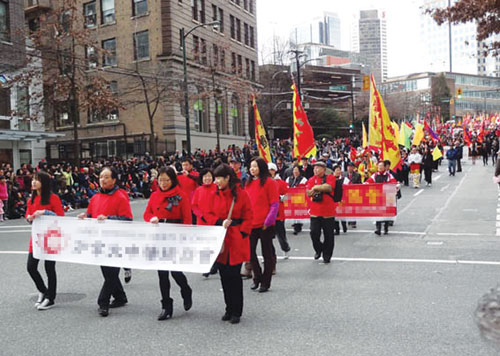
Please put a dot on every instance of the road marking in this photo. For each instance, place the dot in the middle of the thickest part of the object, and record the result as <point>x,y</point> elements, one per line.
<point>437,178</point>
<point>418,193</point>
<point>407,206</point>
<point>9,231</point>
<point>13,252</point>
<point>14,226</point>
<point>459,234</point>
<point>435,243</point>
<point>445,187</point>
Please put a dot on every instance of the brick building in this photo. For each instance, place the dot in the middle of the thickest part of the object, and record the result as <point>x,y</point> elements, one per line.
<point>143,36</point>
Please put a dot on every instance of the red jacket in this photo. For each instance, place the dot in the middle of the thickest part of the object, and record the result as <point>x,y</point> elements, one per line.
<point>326,207</point>
<point>282,190</point>
<point>261,197</point>
<point>236,247</point>
<point>188,183</point>
<point>115,205</point>
<point>200,204</point>
<point>385,178</point>
<point>172,204</point>
<point>54,205</point>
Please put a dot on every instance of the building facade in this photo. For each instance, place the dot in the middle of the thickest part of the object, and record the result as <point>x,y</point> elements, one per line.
<point>140,42</point>
<point>373,42</point>
<point>324,30</point>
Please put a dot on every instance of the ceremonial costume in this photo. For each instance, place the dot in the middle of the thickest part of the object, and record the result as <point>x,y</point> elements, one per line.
<point>415,159</point>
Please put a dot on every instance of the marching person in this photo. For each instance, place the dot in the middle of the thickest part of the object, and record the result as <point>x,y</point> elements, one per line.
<point>280,219</point>
<point>321,208</point>
<point>109,203</point>
<point>188,181</point>
<point>340,180</point>
<point>382,177</point>
<point>42,202</point>
<point>169,204</point>
<point>354,178</point>
<point>415,159</point>
<point>236,247</point>
<point>200,203</point>
<point>428,161</point>
<point>264,196</point>
<point>296,180</point>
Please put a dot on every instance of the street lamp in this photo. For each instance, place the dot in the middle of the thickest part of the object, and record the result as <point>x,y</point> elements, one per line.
<point>184,34</point>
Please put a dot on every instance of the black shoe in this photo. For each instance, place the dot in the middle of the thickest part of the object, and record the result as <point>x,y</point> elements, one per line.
<point>386,232</point>
<point>263,289</point>
<point>326,261</point>
<point>378,232</point>
<point>188,301</point>
<point>128,275</point>
<point>345,231</point>
<point>254,286</point>
<point>103,311</point>
<point>336,232</point>
<point>226,317</point>
<point>164,315</point>
<point>235,319</point>
<point>117,303</point>
<point>317,255</point>
<point>295,233</point>
<point>206,275</point>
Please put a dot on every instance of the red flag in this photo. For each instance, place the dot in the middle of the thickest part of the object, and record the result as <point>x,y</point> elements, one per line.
<point>466,135</point>
<point>303,136</point>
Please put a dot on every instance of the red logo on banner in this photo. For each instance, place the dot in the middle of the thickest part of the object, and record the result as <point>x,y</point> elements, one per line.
<point>52,241</point>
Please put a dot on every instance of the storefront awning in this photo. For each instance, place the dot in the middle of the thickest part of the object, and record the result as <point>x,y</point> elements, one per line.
<point>18,135</point>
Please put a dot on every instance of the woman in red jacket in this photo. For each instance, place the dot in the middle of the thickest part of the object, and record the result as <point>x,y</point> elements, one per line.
<point>263,193</point>
<point>199,203</point>
<point>236,247</point>
<point>169,204</point>
<point>42,202</point>
<point>111,203</point>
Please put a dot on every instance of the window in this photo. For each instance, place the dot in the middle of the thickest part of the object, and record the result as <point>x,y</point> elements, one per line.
<point>108,11</point>
<point>4,102</point>
<point>198,10</point>
<point>109,47</point>
<point>200,114</point>
<point>232,25</point>
<point>246,34</point>
<point>233,63</point>
<point>203,44</point>
<point>240,64</point>
<point>139,7</point>
<point>236,115</point>
<point>252,37</point>
<point>245,4</point>
<point>218,15</point>
<point>66,20</point>
<point>4,21</point>
<point>250,6</point>
<point>196,48</point>
<point>238,30</point>
<point>252,70</point>
<point>247,68</point>
<point>23,105</point>
<point>141,45</point>
<point>91,57</point>
<point>90,13</point>
<point>215,50</point>
<point>222,59</point>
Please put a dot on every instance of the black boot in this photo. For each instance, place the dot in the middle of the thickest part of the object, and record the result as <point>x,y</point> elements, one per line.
<point>187,295</point>
<point>379,227</point>
<point>386,228</point>
<point>168,309</point>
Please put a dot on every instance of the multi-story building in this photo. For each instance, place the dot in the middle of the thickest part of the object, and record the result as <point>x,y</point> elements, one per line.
<point>22,134</point>
<point>373,42</point>
<point>323,30</point>
<point>141,42</point>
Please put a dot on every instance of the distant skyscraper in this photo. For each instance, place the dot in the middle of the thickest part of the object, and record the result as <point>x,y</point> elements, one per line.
<point>373,42</point>
<point>320,30</point>
<point>354,32</point>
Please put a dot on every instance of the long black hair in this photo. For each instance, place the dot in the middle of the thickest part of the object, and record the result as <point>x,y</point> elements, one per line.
<point>44,179</point>
<point>263,170</point>
<point>223,170</point>
<point>170,172</point>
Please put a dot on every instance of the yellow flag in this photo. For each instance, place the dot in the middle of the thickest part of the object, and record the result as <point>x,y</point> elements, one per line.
<point>419,134</point>
<point>395,126</point>
<point>382,128</point>
<point>436,153</point>
<point>260,135</point>
<point>365,136</point>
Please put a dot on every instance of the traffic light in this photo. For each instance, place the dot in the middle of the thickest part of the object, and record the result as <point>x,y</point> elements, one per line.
<point>459,93</point>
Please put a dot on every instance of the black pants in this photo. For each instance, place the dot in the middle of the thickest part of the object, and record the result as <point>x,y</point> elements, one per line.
<point>337,226</point>
<point>50,269</point>
<point>266,243</point>
<point>111,286</point>
<point>232,285</point>
<point>405,176</point>
<point>428,174</point>
<point>180,279</point>
<point>297,227</point>
<point>281,234</point>
<point>485,160</point>
<point>386,225</point>
<point>459,165</point>
<point>326,247</point>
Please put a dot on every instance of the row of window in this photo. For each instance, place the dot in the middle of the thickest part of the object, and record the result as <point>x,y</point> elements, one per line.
<point>4,21</point>
<point>248,31</point>
<point>248,5</point>
<point>202,116</point>
<point>108,14</point>
<point>109,58</point>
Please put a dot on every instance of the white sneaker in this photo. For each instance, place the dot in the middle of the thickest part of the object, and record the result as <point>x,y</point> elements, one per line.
<point>287,256</point>
<point>46,304</point>
<point>40,299</point>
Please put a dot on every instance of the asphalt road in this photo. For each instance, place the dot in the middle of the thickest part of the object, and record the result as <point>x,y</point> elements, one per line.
<point>412,292</point>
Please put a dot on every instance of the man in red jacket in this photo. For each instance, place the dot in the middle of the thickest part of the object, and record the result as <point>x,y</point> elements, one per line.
<point>188,180</point>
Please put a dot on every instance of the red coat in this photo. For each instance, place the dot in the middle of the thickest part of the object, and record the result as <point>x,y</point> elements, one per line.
<point>236,247</point>
<point>189,183</point>
<point>261,197</point>
<point>158,202</point>
<point>326,207</point>
<point>200,204</point>
<point>115,205</point>
<point>282,190</point>
<point>54,205</point>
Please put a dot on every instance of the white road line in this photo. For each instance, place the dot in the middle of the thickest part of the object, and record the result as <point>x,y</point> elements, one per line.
<point>458,234</point>
<point>437,178</point>
<point>371,231</point>
<point>9,231</point>
<point>418,193</point>
<point>14,226</point>
<point>13,252</point>
<point>445,187</point>
<point>407,206</point>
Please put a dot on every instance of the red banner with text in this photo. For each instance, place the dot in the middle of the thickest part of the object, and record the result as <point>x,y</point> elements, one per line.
<point>359,201</point>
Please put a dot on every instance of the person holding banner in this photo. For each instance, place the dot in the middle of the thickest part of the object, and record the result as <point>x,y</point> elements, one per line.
<point>340,180</point>
<point>169,204</point>
<point>109,203</point>
<point>296,180</point>
<point>322,209</point>
<point>230,207</point>
<point>264,196</point>
<point>42,202</point>
<point>382,177</point>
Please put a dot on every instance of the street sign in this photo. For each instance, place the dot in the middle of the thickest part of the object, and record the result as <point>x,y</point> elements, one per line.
<point>338,87</point>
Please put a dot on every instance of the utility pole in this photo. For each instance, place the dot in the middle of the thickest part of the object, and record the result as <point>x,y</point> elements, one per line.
<point>297,54</point>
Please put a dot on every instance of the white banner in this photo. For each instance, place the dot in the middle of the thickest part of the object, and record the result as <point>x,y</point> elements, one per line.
<point>140,245</point>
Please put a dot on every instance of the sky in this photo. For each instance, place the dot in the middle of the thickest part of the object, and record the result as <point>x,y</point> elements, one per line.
<point>403,41</point>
